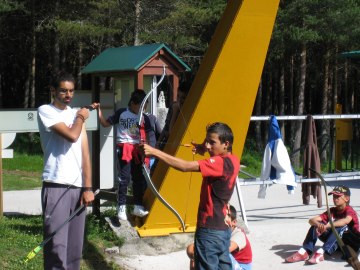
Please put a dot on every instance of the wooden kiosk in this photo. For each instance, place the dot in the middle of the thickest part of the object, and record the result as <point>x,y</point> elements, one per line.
<point>131,68</point>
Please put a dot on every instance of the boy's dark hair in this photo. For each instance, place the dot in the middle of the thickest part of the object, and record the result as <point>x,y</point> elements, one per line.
<point>61,76</point>
<point>137,96</point>
<point>184,87</point>
<point>224,132</point>
<point>232,213</point>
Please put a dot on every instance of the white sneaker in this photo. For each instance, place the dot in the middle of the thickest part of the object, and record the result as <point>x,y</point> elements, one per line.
<point>121,212</point>
<point>139,211</point>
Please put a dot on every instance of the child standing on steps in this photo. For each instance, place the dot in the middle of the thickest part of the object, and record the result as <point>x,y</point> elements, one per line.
<point>129,158</point>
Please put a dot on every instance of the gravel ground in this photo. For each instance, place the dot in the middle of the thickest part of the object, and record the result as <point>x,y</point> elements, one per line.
<point>277,227</point>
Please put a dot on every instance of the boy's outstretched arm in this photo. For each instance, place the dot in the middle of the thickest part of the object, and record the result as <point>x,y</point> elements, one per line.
<point>177,163</point>
<point>103,121</point>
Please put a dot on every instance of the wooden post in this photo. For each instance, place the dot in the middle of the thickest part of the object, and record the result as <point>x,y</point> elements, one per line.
<point>1,182</point>
<point>338,143</point>
<point>95,147</point>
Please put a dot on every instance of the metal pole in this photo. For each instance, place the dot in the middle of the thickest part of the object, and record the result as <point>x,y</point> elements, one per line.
<point>241,203</point>
<point>303,117</point>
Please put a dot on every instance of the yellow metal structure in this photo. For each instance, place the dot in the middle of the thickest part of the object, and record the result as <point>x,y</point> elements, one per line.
<point>224,90</point>
<point>343,132</point>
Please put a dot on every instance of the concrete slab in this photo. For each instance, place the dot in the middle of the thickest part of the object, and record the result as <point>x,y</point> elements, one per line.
<point>22,202</point>
<point>277,227</point>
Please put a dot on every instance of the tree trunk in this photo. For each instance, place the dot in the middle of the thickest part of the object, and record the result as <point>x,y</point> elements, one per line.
<point>295,103</point>
<point>324,104</point>
<point>33,57</point>
<point>295,159</point>
<point>268,100</point>
<point>335,82</point>
<point>344,92</point>
<point>282,96</point>
<point>275,91</point>
<point>258,140</point>
<point>80,56</point>
<point>1,96</point>
<point>291,93</point>
<point>351,92</point>
<point>63,60</point>
<point>290,107</point>
<point>137,23</point>
<point>335,91</point>
<point>56,53</point>
<point>30,80</point>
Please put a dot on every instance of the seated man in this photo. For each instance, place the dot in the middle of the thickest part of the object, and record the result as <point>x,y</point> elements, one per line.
<point>240,249</point>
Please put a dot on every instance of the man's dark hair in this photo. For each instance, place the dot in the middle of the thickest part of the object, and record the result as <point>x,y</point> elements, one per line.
<point>224,132</point>
<point>232,213</point>
<point>184,87</point>
<point>61,76</point>
<point>137,96</point>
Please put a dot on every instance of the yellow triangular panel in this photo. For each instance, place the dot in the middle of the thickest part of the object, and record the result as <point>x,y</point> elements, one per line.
<point>224,90</point>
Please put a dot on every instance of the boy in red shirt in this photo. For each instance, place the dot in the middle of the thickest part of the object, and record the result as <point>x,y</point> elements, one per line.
<point>345,221</point>
<point>212,237</point>
<point>240,249</point>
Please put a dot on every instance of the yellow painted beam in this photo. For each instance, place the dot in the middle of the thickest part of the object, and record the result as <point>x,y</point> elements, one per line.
<point>224,90</point>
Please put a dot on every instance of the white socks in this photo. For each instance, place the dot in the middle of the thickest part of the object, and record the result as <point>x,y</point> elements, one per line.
<point>320,250</point>
<point>302,251</point>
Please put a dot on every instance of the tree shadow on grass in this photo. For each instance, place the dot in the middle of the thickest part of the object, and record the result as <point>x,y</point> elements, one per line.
<point>95,259</point>
<point>28,224</point>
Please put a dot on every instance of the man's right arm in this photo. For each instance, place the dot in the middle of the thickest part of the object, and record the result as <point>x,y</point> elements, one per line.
<point>72,134</point>
<point>103,121</point>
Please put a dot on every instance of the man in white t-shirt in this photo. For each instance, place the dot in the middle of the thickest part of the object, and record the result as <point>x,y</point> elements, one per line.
<point>66,175</point>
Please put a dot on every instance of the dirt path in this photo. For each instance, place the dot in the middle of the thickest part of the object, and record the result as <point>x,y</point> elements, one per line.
<point>34,174</point>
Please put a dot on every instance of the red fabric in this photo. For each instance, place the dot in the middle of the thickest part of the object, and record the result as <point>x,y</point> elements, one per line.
<point>244,255</point>
<point>142,132</point>
<point>219,178</point>
<point>348,211</point>
<point>130,152</point>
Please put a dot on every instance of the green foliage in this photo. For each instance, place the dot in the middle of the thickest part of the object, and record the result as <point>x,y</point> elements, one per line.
<point>24,163</point>
<point>250,157</point>
<point>99,228</point>
<point>23,144</point>
<point>19,234</point>
<point>187,28</point>
<point>9,6</point>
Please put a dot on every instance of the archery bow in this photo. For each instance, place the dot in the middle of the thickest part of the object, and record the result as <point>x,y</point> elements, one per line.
<point>349,254</point>
<point>144,166</point>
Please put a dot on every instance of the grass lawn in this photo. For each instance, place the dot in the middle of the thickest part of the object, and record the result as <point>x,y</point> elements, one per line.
<point>22,172</point>
<point>20,182</point>
<point>24,163</point>
<point>19,234</point>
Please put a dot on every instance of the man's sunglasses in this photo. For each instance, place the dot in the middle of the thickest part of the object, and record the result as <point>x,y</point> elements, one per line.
<point>64,91</point>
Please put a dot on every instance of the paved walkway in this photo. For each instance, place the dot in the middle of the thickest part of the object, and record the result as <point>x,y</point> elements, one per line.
<point>277,226</point>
